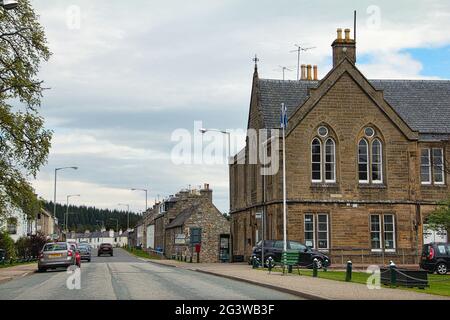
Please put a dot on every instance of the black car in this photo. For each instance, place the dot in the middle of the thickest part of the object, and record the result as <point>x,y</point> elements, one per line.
<point>274,249</point>
<point>436,257</point>
<point>105,248</point>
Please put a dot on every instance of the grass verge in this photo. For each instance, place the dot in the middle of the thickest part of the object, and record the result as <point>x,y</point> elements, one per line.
<point>439,285</point>
<point>143,254</point>
<point>9,265</point>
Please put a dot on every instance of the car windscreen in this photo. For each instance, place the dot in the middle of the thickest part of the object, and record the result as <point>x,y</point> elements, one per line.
<point>55,247</point>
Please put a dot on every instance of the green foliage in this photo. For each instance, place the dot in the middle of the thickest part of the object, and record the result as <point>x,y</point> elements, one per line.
<point>84,218</point>
<point>30,246</point>
<point>439,219</point>
<point>7,243</point>
<point>24,142</point>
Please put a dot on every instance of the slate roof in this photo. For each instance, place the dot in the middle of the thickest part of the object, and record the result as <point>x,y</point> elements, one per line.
<point>181,218</point>
<point>423,104</point>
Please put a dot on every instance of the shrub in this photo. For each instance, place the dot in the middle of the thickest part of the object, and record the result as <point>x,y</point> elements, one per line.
<point>7,243</point>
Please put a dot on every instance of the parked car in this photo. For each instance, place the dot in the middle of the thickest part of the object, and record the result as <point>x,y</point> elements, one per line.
<point>75,249</point>
<point>85,251</point>
<point>274,249</point>
<point>56,255</point>
<point>436,257</point>
<point>105,248</point>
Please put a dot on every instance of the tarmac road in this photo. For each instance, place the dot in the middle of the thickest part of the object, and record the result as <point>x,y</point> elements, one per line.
<point>125,277</point>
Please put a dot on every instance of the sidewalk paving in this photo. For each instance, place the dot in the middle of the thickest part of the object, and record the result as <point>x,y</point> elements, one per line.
<point>304,286</point>
<point>7,274</point>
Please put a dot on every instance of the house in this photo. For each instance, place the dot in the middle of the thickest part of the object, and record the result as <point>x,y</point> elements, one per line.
<point>366,162</point>
<point>18,225</point>
<point>187,219</point>
<point>116,239</point>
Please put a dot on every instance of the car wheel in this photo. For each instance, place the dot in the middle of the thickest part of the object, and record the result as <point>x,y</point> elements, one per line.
<point>319,263</point>
<point>267,260</point>
<point>441,268</point>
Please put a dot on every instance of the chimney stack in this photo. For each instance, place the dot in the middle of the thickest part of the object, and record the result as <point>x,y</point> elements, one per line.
<point>308,72</point>
<point>315,73</point>
<point>303,74</point>
<point>343,48</point>
<point>206,192</point>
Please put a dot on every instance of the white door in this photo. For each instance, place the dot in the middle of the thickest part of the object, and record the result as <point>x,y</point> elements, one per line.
<point>151,236</point>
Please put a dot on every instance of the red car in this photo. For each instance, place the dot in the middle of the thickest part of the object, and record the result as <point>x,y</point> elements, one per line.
<point>74,248</point>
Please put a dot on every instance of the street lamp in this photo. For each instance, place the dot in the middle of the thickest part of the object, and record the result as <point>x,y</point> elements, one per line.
<point>67,210</point>
<point>128,214</point>
<point>228,134</point>
<point>8,4</point>
<point>54,193</point>
<point>117,223</point>
<point>146,195</point>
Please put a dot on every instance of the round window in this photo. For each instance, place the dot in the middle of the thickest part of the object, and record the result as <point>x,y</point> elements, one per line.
<point>369,132</point>
<point>322,131</point>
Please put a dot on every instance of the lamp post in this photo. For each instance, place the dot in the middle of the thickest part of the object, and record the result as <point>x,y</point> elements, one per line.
<point>54,191</point>
<point>146,195</point>
<point>128,214</point>
<point>8,4</point>
<point>67,210</point>
<point>228,134</point>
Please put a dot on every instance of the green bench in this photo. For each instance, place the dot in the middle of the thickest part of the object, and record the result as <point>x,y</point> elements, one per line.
<point>289,259</point>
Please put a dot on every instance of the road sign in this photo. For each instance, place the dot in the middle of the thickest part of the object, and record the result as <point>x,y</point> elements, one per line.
<point>258,215</point>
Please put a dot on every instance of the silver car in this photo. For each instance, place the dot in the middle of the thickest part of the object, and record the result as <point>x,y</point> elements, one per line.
<point>56,255</point>
<point>85,251</point>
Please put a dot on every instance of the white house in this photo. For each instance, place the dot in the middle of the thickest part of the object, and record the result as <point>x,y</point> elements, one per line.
<point>117,239</point>
<point>18,225</point>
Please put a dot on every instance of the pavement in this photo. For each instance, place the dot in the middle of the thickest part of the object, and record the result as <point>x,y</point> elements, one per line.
<point>11,273</point>
<point>302,286</point>
<point>126,277</point>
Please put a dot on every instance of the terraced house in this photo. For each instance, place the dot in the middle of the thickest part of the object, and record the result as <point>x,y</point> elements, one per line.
<point>365,162</point>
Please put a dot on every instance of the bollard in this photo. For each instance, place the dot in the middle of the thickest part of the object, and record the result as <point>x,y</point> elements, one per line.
<point>270,264</point>
<point>348,273</point>
<point>190,259</point>
<point>254,262</point>
<point>393,268</point>
<point>315,268</point>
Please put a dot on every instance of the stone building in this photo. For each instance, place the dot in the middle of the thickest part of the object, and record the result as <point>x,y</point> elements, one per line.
<point>176,224</point>
<point>365,162</point>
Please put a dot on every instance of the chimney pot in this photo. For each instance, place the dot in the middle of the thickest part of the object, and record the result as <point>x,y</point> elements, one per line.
<point>339,34</point>
<point>315,72</point>
<point>347,35</point>
<point>308,72</point>
<point>303,75</point>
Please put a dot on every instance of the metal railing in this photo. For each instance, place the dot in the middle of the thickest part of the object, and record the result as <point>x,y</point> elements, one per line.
<point>364,256</point>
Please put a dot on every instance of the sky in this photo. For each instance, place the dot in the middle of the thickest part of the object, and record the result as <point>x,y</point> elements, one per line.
<point>125,75</point>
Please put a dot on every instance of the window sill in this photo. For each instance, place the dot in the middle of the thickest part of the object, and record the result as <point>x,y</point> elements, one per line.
<point>372,186</point>
<point>327,185</point>
<point>429,186</point>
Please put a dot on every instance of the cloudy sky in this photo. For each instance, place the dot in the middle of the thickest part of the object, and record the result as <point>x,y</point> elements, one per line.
<point>126,74</point>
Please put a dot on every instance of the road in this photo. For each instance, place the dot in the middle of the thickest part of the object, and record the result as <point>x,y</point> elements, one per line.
<point>125,277</point>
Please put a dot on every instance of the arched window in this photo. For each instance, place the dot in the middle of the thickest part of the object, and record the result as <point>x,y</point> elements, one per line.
<point>316,160</point>
<point>377,161</point>
<point>363,161</point>
<point>330,161</point>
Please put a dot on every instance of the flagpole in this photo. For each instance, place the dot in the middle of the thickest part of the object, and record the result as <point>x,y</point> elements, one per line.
<point>284,124</point>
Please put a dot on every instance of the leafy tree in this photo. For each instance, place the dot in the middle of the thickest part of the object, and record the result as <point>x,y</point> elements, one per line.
<point>24,142</point>
<point>439,219</point>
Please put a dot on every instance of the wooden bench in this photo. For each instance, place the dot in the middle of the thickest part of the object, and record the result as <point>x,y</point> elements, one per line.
<point>289,259</point>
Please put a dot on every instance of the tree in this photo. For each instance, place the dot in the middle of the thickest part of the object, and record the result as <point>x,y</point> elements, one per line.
<point>439,219</point>
<point>24,142</point>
